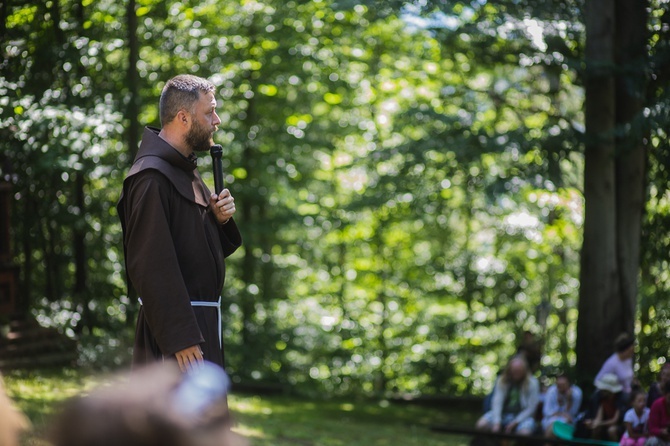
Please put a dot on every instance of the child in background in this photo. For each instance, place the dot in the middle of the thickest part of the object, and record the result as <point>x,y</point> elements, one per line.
<point>603,419</point>
<point>635,420</point>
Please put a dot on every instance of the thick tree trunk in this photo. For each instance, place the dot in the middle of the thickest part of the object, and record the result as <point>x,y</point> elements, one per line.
<point>599,319</point>
<point>631,39</point>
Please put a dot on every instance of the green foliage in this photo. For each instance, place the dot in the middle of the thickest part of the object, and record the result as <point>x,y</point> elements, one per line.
<point>655,288</point>
<point>408,180</point>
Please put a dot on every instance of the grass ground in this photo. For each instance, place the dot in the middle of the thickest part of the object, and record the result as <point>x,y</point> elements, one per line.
<point>266,420</point>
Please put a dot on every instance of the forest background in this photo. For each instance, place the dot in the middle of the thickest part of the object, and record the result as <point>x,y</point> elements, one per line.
<point>417,182</point>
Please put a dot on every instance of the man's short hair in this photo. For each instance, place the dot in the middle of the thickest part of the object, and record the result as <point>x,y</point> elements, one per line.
<point>181,92</point>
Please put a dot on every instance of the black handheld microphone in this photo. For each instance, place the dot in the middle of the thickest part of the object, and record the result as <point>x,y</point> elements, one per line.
<point>216,151</point>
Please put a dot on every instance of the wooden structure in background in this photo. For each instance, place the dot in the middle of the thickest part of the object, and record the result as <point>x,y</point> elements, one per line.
<point>24,342</point>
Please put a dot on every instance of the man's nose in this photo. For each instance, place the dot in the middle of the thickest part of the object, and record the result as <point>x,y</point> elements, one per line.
<point>217,120</point>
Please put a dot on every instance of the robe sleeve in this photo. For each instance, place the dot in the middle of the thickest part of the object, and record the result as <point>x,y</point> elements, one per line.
<point>230,236</point>
<point>152,263</point>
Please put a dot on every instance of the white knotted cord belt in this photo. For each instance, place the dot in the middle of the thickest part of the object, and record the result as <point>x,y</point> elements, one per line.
<point>204,303</point>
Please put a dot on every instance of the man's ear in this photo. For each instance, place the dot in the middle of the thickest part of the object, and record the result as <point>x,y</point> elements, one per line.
<point>183,118</point>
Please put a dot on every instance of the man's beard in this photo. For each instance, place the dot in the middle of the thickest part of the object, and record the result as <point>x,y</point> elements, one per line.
<point>198,138</point>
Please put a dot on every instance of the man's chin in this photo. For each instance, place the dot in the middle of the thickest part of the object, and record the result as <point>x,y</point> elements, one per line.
<point>204,146</point>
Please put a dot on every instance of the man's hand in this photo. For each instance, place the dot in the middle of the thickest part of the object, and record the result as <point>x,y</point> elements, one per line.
<point>495,427</point>
<point>223,206</point>
<point>189,358</point>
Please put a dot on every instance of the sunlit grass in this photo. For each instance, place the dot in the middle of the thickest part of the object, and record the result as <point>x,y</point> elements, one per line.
<point>288,421</point>
<point>38,394</point>
<point>265,420</point>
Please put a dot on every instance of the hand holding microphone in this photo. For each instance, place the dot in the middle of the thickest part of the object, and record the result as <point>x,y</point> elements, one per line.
<point>222,202</point>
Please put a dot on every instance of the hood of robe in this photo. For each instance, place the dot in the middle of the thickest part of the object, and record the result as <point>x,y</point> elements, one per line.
<point>156,153</point>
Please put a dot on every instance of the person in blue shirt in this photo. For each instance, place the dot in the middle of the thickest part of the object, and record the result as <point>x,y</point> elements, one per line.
<point>561,403</point>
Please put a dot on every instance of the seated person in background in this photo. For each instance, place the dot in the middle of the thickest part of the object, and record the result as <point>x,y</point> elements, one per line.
<point>531,349</point>
<point>659,420</point>
<point>620,363</point>
<point>561,402</point>
<point>635,420</point>
<point>656,388</point>
<point>156,405</point>
<point>514,400</point>
<point>605,412</point>
<point>12,422</point>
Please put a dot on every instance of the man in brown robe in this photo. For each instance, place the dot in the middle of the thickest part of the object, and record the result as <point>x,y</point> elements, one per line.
<point>176,233</point>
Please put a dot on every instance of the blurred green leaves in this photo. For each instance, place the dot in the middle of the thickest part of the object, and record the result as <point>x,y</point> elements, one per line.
<point>408,190</point>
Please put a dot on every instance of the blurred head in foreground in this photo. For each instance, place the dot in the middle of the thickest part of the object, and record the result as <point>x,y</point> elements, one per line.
<point>12,422</point>
<point>154,406</point>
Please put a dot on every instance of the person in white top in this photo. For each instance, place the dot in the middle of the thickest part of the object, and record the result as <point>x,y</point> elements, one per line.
<point>635,421</point>
<point>515,399</point>
<point>621,362</point>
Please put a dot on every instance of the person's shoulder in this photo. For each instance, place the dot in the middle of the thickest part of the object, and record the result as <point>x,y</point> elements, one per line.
<point>149,162</point>
<point>576,390</point>
<point>658,403</point>
<point>148,176</point>
<point>613,358</point>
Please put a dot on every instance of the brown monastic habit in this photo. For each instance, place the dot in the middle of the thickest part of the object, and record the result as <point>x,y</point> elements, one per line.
<point>174,252</point>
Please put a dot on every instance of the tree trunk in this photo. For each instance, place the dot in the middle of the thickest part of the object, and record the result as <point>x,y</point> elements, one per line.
<point>80,293</point>
<point>79,236</point>
<point>133,79</point>
<point>631,39</point>
<point>251,208</point>
<point>132,116</point>
<point>599,318</point>
<point>4,10</point>
<point>248,273</point>
<point>59,35</point>
<point>26,284</point>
